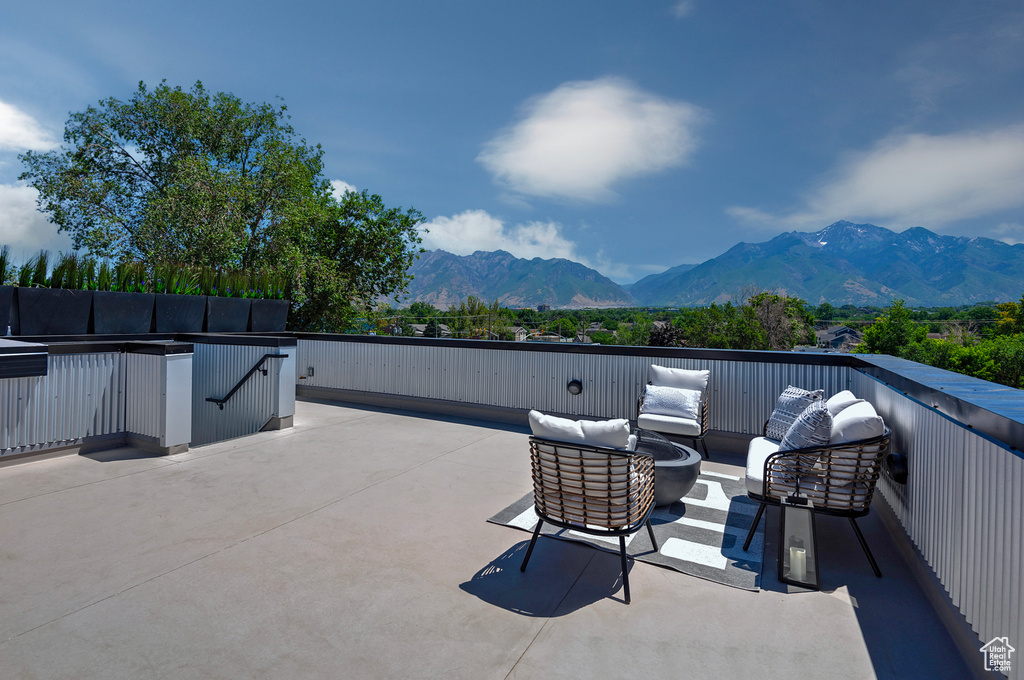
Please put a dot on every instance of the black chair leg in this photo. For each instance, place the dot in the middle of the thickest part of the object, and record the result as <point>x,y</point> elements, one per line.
<point>704,446</point>
<point>650,531</point>
<point>753,527</point>
<point>529,551</point>
<point>864,545</point>
<point>625,569</point>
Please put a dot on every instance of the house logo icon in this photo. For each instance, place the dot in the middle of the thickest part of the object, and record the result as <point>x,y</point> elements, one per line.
<point>998,653</point>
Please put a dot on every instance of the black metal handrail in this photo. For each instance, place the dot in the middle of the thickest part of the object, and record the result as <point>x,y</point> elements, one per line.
<point>257,367</point>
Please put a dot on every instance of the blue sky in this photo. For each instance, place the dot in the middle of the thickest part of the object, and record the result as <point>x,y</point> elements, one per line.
<point>630,136</point>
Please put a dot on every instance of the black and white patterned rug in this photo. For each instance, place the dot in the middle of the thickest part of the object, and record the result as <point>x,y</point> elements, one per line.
<point>702,535</point>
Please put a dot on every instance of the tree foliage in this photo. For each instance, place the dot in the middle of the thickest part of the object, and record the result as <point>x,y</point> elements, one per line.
<point>353,252</point>
<point>892,331</point>
<point>193,178</point>
<point>180,176</point>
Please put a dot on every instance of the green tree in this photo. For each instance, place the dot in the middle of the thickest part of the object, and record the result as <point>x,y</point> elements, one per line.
<point>1011,317</point>
<point>353,253</point>
<point>725,326</point>
<point>186,177</point>
<point>891,332</point>
<point>785,320</point>
<point>180,176</point>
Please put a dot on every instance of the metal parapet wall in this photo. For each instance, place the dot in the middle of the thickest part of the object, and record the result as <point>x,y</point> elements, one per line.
<point>963,505</point>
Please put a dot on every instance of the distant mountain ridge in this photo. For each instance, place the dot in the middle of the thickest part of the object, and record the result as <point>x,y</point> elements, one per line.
<point>443,279</point>
<point>846,263</point>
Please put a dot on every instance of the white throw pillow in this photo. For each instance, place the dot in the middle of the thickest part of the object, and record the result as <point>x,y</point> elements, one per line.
<point>553,427</point>
<point>856,422</point>
<point>609,433</point>
<point>837,402</point>
<point>613,434</point>
<point>680,378</point>
<point>672,401</point>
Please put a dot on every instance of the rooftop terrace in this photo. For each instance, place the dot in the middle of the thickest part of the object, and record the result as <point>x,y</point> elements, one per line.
<point>355,544</point>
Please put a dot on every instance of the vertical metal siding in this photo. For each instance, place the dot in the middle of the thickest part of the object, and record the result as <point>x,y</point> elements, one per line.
<point>82,395</point>
<point>962,507</point>
<point>146,403</point>
<point>742,393</point>
<point>215,370</point>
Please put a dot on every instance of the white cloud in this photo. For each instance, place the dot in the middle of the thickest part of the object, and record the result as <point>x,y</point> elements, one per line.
<point>20,132</point>
<point>22,226</point>
<point>916,179</point>
<point>473,230</point>
<point>1010,232</point>
<point>578,140</point>
<point>683,8</point>
<point>340,188</point>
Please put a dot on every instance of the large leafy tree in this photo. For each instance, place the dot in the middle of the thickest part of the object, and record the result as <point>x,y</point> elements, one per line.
<point>206,179</point>
<point>181,176</point>
<point>355,252</point>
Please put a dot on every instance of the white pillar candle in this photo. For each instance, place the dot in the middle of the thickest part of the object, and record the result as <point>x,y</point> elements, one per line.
<point>797,564</point>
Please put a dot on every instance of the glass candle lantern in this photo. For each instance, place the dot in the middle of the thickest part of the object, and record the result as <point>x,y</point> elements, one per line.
<point>798,547</point>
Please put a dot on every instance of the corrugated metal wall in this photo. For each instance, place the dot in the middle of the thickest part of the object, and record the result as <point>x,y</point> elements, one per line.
<point>963,507</point>
<point>145,377</point>
<point>82,395</point>
<point>743,393</point>
<point>215,370</point>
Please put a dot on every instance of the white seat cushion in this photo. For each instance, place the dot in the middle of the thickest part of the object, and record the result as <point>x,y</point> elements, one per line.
<point>758,451</point>
<point>669,424</point>
<point>680,378</point>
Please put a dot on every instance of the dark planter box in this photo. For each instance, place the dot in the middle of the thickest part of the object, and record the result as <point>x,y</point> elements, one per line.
<point>51,311</point>
<point>6,303</point>
<point>268,316</point>
<point>227,315</point>
<point>179,313</point>
<point>121,312</point>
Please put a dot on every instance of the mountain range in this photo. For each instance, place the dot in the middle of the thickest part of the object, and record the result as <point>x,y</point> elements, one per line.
<point>844,263</point>
<point>443,279</point>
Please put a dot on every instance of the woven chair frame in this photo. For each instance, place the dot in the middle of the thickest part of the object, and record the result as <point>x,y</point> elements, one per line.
<point>840,479</point>
<point>596,490</point>
<point>703,415</point>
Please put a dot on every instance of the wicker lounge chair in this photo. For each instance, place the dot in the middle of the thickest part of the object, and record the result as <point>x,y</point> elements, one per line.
<point>839,479</point>
<point>593,490</point>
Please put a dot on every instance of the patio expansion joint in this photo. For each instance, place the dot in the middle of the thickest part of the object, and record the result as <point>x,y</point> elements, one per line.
<point>163,464</point>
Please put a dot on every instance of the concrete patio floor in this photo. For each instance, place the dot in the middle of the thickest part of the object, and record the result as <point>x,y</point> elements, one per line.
<point>355,545</point>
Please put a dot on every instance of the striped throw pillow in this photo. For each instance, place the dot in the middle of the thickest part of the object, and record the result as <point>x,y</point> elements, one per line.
<point>812,428</point>
<point>788,408</point>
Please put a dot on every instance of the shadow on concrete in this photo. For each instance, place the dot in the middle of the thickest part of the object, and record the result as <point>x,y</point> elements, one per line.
<point>561,578</point>
<point>119,454</point>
